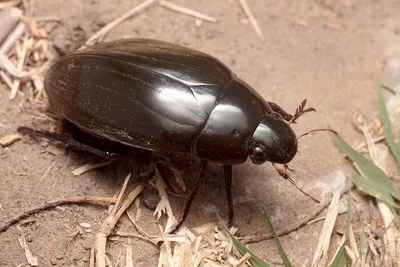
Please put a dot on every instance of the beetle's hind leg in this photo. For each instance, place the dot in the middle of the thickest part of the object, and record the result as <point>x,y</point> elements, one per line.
<point>67,141</point>
<point>189,200</point>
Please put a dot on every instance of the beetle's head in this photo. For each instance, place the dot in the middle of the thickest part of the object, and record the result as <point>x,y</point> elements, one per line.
<point>274,141</point>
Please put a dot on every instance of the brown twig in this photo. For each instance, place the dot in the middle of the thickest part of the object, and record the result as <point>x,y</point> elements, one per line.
<point>54,203</point>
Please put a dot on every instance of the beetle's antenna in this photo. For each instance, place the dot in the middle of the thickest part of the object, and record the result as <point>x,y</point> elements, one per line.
<point>318,130</point>
<point>300,111</point>
<point>286,176</point>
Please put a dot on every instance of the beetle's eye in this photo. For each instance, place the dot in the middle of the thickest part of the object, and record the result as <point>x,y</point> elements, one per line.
<point>259,156</point>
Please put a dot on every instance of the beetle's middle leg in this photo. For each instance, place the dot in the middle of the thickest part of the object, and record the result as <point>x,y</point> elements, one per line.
<point>189,200</point>
<point>228,188</point>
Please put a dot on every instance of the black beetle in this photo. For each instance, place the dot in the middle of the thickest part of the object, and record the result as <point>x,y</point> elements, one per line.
<point>164,97</point>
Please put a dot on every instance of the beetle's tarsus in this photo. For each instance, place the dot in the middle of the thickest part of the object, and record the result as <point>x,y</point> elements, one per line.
<point>300,111</point>
<point>287,116</point>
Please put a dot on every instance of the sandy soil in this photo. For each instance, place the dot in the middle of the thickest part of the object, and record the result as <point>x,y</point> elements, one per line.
<point>334,69</point>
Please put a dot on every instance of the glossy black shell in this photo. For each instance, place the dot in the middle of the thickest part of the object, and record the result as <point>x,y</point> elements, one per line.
<point>157,96</point>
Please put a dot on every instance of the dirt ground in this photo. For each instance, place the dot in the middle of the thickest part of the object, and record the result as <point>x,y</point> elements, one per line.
<point>335,69</point>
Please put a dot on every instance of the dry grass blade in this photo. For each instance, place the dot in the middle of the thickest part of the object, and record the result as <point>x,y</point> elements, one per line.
<point>33,261</point>
<point>186,11</point>
<point>152,240</point>
<point>321,252</point>
<point>98,36</point>
<point>20,66</point>
<point>11,3</point>
<point>339,260</point>
<point>109,224</point>
<point>91,259</point>
<point>6,79</point>
<point>6,64</point>
<point>89,167</point>
<point>121,193</point>
<point>47,171</point>
<point>10,139</point>
<point>252,19</point>
<point>12,38</point>
<point>164,205</point>
<point>129,257</point>
<point>9,18</point>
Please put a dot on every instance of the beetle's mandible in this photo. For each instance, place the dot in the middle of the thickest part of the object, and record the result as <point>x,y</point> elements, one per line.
<point>165,97</point>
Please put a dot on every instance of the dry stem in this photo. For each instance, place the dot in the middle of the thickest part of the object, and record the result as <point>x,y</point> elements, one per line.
<point>109,224</point>
<point>98,36</point>
<point>321,252</point>
<point>11,3</point>
<point>186,11</point>
<point>252,19</point>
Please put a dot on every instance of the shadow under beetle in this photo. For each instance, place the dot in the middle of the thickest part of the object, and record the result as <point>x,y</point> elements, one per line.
<point>164,97</point>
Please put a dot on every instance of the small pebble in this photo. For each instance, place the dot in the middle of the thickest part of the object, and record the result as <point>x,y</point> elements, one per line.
<point>85,225</point>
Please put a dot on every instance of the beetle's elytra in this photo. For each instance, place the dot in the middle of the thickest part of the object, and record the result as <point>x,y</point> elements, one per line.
<point>164,97</point>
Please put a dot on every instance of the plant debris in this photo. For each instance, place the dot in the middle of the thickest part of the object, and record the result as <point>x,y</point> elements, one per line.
<point>10,139</point>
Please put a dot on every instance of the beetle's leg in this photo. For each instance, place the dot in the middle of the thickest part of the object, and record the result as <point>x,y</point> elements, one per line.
<point>189,201</point>
<point>68,141</point>
<point>288,117</point>
<point>228,187</point>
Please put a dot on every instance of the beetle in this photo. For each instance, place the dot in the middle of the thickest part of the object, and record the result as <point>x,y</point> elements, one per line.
<point>164,97</point>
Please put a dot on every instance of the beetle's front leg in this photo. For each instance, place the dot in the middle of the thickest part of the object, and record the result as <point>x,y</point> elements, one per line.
<point>288,117</point>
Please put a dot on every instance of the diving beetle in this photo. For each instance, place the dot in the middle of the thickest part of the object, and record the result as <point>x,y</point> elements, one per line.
<point>164,97</point>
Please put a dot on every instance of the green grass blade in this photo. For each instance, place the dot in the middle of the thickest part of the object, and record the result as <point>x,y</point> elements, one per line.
<point>373,181</point>
<point>375,189</point>
<point>281,250</point>
<point>242,249</point>
<point>398,140</point>
<point>340,259</point>
<point>387,126</point>
<point>363,239</point>
<point>348,222</point>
